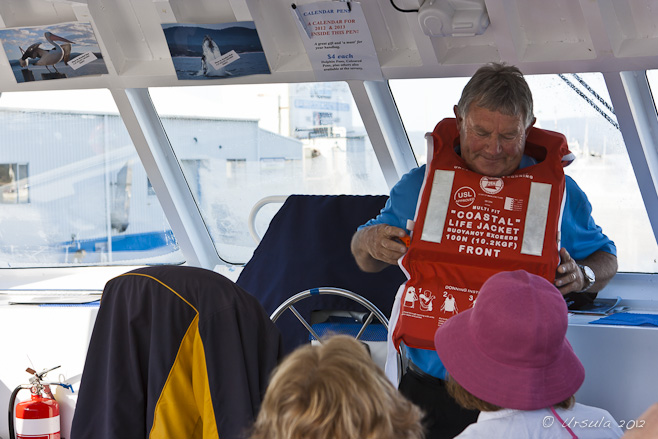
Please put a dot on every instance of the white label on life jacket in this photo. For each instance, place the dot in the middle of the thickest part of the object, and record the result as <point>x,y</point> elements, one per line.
<point>437,207</point>
<point>535,219</point>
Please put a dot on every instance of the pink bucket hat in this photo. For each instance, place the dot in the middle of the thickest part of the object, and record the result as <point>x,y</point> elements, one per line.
<point>510,348</point>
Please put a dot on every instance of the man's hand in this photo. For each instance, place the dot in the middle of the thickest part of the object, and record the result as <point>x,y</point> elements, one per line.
<point>569,277</point>
<point>376,247</point>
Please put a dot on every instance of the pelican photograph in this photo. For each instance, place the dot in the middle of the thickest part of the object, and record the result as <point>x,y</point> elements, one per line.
<point>212,51</point>
<point>52,52</point>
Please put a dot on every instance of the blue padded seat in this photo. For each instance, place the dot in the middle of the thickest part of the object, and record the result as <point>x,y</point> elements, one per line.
<point>307,245</point>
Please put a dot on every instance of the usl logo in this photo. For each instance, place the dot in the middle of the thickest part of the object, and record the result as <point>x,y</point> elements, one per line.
<point>464,196</point>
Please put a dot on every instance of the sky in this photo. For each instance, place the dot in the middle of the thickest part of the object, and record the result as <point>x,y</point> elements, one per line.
<point>424,102</point>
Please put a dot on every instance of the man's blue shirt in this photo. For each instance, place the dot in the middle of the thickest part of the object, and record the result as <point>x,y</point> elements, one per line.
<point>580,235</point>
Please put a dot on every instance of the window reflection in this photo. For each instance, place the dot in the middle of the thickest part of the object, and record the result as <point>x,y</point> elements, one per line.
<point>239,144</point>
<point>73,189</point>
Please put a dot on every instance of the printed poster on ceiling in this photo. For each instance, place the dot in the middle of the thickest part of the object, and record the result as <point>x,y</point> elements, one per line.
<point>58,51</point>
<point>212,51</point>
<point>337,41</point>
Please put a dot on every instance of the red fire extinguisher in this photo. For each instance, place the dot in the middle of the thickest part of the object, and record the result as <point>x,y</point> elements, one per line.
<point>37,418</point>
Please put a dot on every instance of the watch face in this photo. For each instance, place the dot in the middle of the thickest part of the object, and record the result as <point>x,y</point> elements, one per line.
<point>589,273</point>
<point>590,277</point>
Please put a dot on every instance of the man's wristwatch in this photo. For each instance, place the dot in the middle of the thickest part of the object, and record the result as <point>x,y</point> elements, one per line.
<point>589,276</point>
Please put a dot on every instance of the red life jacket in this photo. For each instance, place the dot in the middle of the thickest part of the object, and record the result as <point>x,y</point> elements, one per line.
<point>469,226</point>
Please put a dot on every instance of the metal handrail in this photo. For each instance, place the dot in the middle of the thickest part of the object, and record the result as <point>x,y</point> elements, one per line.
<point>251,221</point>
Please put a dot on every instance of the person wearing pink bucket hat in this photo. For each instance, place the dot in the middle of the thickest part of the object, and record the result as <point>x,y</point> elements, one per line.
<point>509,358</point>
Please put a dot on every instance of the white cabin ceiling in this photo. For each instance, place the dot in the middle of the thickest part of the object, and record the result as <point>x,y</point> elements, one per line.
<point>537,35</point>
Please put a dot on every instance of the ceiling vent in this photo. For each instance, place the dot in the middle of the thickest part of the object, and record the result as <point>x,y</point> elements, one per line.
<point>453,18</point>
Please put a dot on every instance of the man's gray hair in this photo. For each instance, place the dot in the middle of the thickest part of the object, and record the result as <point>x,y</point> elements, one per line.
<point>498,87</point>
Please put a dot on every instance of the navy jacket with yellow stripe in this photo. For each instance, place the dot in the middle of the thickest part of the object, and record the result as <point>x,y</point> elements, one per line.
<point>176,352</point>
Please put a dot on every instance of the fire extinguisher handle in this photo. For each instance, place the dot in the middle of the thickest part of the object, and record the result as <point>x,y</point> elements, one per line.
<point>65,385</point>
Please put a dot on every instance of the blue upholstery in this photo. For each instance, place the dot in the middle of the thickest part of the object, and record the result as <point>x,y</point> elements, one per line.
<point>307,245</point>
